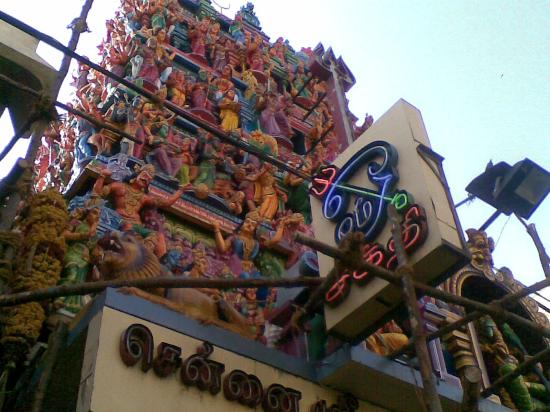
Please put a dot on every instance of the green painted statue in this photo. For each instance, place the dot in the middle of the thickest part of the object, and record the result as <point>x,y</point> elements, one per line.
<point>81,239</point>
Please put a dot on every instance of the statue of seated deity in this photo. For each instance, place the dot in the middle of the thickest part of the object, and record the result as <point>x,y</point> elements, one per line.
<point>388,339</point>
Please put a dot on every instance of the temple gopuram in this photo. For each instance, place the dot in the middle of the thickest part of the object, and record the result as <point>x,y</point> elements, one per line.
<point>209,227</point>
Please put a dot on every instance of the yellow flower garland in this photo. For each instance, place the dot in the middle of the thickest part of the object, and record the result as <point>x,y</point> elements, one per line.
<point>42,252</point>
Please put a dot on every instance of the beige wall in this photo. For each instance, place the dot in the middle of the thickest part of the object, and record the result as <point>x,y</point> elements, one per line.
<point>24,66</point>
<point>110,386</point>
<point>402,126</point>
<point>19,47</point>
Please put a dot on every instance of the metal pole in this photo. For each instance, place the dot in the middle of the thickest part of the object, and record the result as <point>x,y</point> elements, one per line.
<point>429,388</point>
<point>469,198</point>
<point>309,79</point>
<point>72,110</point>
<point>318,294</point>
<point>37,122</point>
<point>470,317</point>
<point>20,133</point>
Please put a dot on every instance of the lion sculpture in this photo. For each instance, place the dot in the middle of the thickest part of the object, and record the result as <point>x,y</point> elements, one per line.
<point>124,256</point>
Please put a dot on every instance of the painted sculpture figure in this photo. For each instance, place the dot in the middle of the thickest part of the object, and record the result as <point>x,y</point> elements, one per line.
<point>387,339</point>
<point>244,242</point>
<point>223,95</point>
<point>228,74</point>
<point>130,198</point>
<point>481,246</point>
<point>520,393</point>
<point>266,192</point>
<point>124,256</point>
<point>81,239</point>
<point>229,111</point>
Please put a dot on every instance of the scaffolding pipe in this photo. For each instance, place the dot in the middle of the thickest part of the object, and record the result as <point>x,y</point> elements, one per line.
<point>78,26</point>
<point>393,278</point>
<point>152,283</point>
<point>429,388</point>
<point>169,105</point>
<point>543,256</point>
<point>472,316</point>
<point>72,110</point>
<point>38,120</point>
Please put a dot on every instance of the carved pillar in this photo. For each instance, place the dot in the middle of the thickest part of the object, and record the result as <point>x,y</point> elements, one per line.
<point>464,347</point>
<point>459,345</point>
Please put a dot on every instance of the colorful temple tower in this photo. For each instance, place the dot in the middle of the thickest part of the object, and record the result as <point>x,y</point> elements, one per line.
<point>186,182</point>
<point>197,160</point>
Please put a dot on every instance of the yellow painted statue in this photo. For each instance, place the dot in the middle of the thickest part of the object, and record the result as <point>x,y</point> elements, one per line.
<point>387,339</point>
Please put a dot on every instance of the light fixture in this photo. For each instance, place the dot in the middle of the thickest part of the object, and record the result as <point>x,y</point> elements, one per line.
<point>518,189</point>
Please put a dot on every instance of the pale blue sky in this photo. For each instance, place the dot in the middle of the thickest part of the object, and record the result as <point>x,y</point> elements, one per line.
<point>479,71</point>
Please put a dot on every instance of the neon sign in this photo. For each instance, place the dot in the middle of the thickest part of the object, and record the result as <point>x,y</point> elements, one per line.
<point>369,212</point>
<point>414,230</point>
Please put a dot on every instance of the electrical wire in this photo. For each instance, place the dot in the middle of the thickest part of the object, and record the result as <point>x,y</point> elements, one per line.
<point>502,230</point>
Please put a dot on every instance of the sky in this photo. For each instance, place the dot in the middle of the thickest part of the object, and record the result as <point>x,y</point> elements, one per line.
<point>477,70</point>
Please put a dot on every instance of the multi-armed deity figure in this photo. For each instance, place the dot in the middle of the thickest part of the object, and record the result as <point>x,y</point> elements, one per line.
<point>132,197</point>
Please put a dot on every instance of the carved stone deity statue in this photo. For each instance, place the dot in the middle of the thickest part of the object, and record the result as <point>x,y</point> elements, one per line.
<point>481,246</point>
